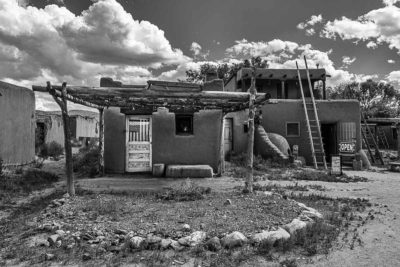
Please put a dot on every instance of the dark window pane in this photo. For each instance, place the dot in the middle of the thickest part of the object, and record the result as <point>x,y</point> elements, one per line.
<point>292,129</point>
<point>184,124</point>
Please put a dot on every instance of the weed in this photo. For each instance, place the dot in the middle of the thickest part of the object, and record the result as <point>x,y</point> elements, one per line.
<point>104,206</point>
<point>289,263</point>
<point>186,191</point>
<point>86,162</point>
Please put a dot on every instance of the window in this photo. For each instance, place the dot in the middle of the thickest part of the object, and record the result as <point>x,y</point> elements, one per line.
<point>184,124</point>
<point>292,129</point>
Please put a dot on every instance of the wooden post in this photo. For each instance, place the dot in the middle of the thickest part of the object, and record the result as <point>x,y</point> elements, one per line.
<point>101,141</point>
<point>221,165</point>
<point>250,136</point>
<point>398,140</point>
<point>67,135</point>
<point>283,89</point>
<point>323,90</point>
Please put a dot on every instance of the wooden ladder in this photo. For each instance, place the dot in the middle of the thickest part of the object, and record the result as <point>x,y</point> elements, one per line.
<point>313,124</point>
<point>370,141</point>
<point>383,138</point>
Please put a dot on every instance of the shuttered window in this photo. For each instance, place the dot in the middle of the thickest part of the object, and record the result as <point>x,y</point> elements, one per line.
<point>347,131</point>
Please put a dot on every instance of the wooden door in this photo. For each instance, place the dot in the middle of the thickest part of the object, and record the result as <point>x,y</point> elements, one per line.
<point>138,144</point>
<point>228,137</point>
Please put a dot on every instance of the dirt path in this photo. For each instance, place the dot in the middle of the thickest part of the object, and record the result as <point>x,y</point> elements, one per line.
<point>381,237</point>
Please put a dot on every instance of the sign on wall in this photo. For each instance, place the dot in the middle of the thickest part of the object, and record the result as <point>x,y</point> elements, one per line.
<point>347,147</point>
<point>336,165</point>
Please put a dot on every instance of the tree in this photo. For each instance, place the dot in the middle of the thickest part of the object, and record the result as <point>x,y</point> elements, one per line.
<point>377,99</point>
<point>223,70</point>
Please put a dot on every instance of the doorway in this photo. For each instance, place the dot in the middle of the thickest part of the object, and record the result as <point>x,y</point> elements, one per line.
<point>329,138</point>
<point>138,144</point>
<point>228,137</point>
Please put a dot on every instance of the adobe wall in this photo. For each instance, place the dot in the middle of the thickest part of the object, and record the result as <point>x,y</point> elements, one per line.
<point>55,130</point>
<point>200,148</point>
<point>275,117</point>
<point>17,124</point>
<point>114,140</point>
<point>86,127</point>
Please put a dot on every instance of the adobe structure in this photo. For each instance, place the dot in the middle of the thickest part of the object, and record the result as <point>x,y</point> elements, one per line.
<point>339,119</point>
<point>84,126</point>
<point>17,125</point>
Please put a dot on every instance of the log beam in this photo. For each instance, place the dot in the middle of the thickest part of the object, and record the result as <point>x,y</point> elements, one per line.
<point>221,163</point>
<point>62,102</point>
<point>101,141</point>
<point>250,136</point>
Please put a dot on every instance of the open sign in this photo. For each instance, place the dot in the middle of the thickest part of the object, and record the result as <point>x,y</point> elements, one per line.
<point>347,147</point>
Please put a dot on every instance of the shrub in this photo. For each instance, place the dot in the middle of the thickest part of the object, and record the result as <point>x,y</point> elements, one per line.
<point>186,191</point>
<point>86,162</point>
<point>55,150</point>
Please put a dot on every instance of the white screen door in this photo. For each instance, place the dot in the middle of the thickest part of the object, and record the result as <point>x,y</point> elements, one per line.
<point>138,147</point>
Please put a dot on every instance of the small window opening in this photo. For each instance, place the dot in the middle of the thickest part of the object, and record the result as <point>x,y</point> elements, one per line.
<point>184,124</point>
<point>293,129</point>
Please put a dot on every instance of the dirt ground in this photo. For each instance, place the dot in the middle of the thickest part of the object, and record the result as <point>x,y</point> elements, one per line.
<point>380,237</point>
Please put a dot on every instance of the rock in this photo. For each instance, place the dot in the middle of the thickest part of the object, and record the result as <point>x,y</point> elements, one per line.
<point>213,244</point>
<point>271,237</point>
<point>53,239</point>
<point>120,232</point>
<point>228,202</point>
<point>310,212</point>
<point>136,242</point>
<point>87,236</point>
<point>86,256</point>
<point>37,241</point>
<point>58,243</point>
<point>193,239</point>
<point>165,243</point>
<point>176,246</point>
<point>62,201</point>
<point>61,233</point>
<point>234,239</point>
<point>49,256</point>
<point>153,239</point>
<point>265,193</point>
<point>66,195</point>
<point>294,226</point>
<point>186,227</point>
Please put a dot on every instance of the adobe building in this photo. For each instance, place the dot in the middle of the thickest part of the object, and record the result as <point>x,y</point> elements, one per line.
<point>17,125</point>
<point>285,115</point>
<point>84,126</point>
<point>136,139</point>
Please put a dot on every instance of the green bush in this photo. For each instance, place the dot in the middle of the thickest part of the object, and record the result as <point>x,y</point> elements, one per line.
<point>86,162</point>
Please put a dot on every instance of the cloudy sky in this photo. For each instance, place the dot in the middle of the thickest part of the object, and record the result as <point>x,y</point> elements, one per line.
<point>78,41</point>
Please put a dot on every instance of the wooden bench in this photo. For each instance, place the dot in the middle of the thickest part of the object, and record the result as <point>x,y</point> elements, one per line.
<point>394,166</point>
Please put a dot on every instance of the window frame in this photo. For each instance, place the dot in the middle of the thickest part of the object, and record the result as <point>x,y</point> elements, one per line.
<point>184,115</point>
<point>298,128</point>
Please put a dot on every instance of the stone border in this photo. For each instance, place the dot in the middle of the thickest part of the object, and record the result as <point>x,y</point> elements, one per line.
<point>133,241</point>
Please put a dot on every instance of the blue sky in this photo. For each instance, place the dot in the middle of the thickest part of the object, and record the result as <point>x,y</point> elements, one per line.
<point>79,41</point>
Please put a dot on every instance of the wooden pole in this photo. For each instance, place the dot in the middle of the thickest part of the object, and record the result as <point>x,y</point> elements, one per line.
<point>67,135</point>
<point>101,141</point>
<point>250,136</point>
<point>398,140</point>
<point>221,165</point>
<point>323,90</point>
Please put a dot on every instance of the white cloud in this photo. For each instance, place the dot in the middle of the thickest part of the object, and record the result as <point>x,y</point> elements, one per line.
<point>391,61</point>
<point>372,45</point>
<point>307,26</point>
<point>390,2</point>
<point>197,51</point>
<point>394,76</point>
<point>377,26</point>
<point>347,61</point>
<point>245,48</point>
<point>56,45</point>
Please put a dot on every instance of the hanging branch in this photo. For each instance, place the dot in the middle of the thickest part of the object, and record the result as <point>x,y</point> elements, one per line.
<point>61,100</point>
